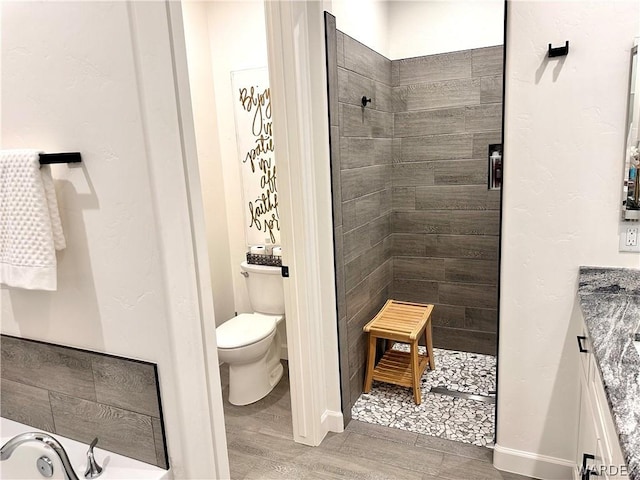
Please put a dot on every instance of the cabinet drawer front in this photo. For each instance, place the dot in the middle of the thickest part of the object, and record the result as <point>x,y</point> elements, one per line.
<point>612,454</point>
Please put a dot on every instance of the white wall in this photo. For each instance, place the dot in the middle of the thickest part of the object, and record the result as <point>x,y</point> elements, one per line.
<point>403,29</point>
<point>214,191</point>
<point>564,138</point>
<point>419,28</point>
<point>98,78</point>
<point>62,90</point>
<point>237,42</point>
<point>365,20</point>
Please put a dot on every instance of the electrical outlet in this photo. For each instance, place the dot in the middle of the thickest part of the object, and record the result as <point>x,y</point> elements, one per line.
<point>629,241</point>
<point>632,237</point>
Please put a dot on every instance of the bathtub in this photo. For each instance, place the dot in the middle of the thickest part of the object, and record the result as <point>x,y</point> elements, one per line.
<point>22,463</point>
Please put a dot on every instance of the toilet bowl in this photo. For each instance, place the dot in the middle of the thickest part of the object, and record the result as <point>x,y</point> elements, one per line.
<point>250,345</point>
<point>250,342</point>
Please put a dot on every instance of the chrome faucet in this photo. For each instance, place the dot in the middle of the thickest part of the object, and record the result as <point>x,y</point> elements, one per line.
<point>93,469</point>
<point>15,442</point>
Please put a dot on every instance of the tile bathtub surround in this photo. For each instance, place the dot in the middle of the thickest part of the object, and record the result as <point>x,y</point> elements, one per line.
<point>443,416</point>
<point>82,395</point>
<point>610,303</point>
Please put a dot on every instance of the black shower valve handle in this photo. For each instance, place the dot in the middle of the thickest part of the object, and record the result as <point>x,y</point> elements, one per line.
<point>365,100</point>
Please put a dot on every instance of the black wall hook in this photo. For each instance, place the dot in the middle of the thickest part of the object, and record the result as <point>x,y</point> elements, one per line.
<point>559,51</point>
<point>365,100</point>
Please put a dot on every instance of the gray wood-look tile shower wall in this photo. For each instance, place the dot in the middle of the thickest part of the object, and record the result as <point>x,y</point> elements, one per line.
<point>445,222</point>
<point>413,218</point>
<point>361,148</point>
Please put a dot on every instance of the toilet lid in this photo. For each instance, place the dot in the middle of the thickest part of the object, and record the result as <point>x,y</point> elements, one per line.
<point>245,329</point>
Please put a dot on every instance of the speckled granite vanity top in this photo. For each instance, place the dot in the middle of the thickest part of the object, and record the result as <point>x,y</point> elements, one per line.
<point>610,302</point>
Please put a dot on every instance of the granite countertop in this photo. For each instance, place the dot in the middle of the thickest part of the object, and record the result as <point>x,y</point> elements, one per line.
<point>610,302</point>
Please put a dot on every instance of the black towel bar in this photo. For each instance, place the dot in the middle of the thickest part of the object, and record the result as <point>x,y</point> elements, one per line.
<point>69,157</point>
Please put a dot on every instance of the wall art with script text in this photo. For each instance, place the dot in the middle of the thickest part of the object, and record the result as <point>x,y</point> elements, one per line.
<point>252,109</point>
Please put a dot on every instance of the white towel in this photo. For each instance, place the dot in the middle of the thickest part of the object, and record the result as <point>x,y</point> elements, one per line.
<point>30,227</point>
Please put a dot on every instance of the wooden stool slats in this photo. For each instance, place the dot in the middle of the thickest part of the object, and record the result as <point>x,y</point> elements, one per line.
<point>395,367</point>
<point>403,318</point>
<point>402,322</point>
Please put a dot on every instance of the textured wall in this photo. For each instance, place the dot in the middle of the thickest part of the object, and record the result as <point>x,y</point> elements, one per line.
<point>364,20</point>
<point>418,28</point>
<point>413,217</point>
<point>361,141</point>
<point>564,141</point>
<point>445,223</point>
<point>83,395</point>
<point>218,215</point>
<point>237,41</point>
<point>98,78</point>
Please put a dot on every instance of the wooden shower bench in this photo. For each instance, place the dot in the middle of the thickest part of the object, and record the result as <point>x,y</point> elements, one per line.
<point>400,322</point>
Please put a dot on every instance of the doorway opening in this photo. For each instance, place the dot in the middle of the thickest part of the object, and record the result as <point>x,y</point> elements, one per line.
<point>416,163</point>
<point>226,47</point>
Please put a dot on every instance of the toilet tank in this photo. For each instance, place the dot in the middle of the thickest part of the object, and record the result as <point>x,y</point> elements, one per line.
<point>265,288</point>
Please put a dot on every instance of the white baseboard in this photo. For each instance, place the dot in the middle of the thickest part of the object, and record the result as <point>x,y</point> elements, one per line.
<point>332,421</point>
<point>532,464</point>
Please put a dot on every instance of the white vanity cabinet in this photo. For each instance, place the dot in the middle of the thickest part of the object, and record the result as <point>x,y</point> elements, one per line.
<point>597,446</point>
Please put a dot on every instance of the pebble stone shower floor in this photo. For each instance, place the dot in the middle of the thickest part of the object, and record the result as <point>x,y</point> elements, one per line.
<point>444,416</point>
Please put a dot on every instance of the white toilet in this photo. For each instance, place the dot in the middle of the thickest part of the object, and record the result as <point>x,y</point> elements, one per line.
<point>250,343</point>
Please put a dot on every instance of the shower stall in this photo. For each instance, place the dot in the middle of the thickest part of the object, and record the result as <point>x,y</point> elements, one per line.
<point>415,218</point>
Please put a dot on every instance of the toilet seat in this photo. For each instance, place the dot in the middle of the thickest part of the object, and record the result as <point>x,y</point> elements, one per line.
<point>246,329</point>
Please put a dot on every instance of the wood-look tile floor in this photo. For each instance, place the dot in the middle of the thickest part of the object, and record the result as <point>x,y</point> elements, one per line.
<point>261,446</point>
